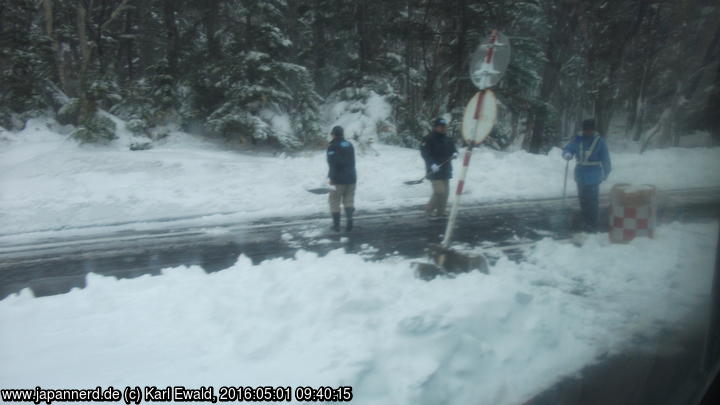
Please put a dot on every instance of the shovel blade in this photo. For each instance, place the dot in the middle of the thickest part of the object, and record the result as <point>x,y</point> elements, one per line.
<point>453,262</point>
<point>448,262</point>
<point>561,221</point>
<point>427,271</point>
<point>413,182</point>
<point>321,190</point>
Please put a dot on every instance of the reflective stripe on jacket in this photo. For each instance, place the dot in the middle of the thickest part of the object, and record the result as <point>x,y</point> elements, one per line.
<point>592,157</point>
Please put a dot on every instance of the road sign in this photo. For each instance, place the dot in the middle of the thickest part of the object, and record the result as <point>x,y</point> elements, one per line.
<point>479,117</point>
<point>486,68</point>
<point>490,61</point>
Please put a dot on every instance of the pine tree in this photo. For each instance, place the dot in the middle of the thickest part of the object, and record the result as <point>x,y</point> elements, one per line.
<point>24,56</point>
<point>253,81</point>
<point>262,71</point>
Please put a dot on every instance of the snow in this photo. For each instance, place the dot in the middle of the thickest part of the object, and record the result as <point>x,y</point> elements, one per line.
<point>359,118</point>
<point>48,182</point>
<point>280,123</point>
<point>339,320</point>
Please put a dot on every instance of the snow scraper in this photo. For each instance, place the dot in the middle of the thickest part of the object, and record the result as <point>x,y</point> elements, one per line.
<point>487,66</point>
<point>319,190</point>
<point>413,182</point>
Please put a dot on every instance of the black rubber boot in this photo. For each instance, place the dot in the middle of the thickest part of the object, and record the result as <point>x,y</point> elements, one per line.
<point>349,214</point>
<point>336,221</point>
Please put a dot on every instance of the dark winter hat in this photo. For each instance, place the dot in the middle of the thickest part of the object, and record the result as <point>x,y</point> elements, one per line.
<point>588,125</point>
<point>337,131</point>
<point>440,121</point>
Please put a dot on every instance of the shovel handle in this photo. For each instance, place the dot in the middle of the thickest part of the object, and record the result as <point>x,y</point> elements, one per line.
<point>427,174</point>
<point>567,166</point>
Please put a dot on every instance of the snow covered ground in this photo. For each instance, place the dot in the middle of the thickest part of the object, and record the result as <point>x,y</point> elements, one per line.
<point>338,320</point>
<point>48,182</point>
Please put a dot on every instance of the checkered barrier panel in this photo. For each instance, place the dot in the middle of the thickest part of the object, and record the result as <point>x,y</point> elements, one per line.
<point>632,214</point>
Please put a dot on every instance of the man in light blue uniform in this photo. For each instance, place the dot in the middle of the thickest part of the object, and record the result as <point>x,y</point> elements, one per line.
<point>592,168</point>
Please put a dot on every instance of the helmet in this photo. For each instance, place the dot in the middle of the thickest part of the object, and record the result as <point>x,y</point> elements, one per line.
<point>588,125</point>
<point>440,121</point>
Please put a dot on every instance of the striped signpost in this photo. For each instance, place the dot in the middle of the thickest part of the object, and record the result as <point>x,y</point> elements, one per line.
<point>487,66</point>
<point>480,114</point>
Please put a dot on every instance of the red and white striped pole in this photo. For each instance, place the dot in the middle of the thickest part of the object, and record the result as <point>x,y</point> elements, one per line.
<point>461,180</point>
<point>468,153</point>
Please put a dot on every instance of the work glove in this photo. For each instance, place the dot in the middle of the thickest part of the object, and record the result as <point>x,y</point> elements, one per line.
<point>435,168</point>
<point>567,156</point>
<point>455,155</point>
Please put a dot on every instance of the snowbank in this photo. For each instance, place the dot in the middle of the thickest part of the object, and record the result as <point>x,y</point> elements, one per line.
<point>360,118</point>
<point>49,182</point>
<point>337,320</point>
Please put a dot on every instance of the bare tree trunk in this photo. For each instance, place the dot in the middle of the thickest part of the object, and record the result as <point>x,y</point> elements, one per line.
<point>57,49</point>
<point>292,30</point>
<point>639,111</point>
<point>318,29</point>
<point>146,51</point>
<point>459,58</point>
<point>124,56</point>
<point>97,34</point>
<point>605,100</point>
<point>85,51</point>
<point>210,17</point>
<point>104,26</point>
<point>672,126</point>
<point>410,93</point>
<point>172,45</point>
<point>527,130</point>
<point>565,20</point>
<point>87,106</point>
<point>710,55</point>
<point>514,123</point>
<point>633,103</point>
<point>363,56</point>
<point>712,106</point>
<point>129,44</point>
<point>549,83</point>
<point>664,133</point>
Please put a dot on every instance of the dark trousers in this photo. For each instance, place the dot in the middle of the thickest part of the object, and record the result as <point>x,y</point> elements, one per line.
<point>589,206</point>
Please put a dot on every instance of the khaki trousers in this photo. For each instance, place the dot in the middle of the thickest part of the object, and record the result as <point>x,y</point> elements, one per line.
<point>438,201</point>
<point>343,193</point>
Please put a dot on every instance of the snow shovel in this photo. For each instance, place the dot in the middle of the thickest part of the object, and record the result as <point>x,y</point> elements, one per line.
<point>478,120</point>
<point>413,182</point>
<point>319,190</point>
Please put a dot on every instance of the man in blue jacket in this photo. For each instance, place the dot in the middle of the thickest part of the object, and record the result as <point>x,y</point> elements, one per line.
<point>592,168</point>
<point>342,175</point>
<point>437,149</point>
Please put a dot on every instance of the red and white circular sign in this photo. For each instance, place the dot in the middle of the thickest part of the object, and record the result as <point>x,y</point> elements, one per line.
<point>479,117</point>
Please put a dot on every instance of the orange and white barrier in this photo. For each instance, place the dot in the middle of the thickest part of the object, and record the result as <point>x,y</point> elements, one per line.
<point>633,212</point>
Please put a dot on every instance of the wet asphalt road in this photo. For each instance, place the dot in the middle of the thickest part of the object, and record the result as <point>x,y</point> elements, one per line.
<point>664,369</point>
<point>54,266</point>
